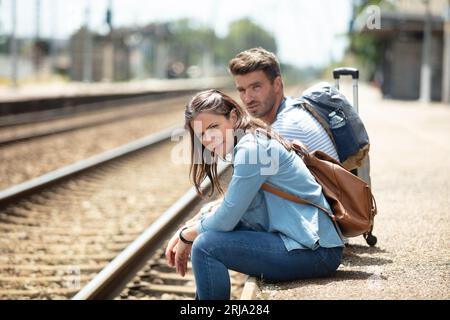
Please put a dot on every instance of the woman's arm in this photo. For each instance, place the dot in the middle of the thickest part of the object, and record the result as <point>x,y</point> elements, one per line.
<point>248,176</point>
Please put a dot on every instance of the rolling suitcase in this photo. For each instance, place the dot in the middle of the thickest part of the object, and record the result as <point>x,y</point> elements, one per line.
<point>364,171</point>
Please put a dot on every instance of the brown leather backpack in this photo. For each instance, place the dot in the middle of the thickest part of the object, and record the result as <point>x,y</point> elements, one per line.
<point>350,198</point>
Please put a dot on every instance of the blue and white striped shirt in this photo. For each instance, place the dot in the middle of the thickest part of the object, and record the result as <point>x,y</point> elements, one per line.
<point>294,122</point>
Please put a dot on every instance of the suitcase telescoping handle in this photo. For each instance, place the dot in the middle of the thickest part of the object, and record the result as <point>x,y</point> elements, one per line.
<point>337,73</point>
<point>362,172</point>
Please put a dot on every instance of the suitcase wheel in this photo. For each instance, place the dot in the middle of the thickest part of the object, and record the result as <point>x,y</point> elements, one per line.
<point>371,240</point>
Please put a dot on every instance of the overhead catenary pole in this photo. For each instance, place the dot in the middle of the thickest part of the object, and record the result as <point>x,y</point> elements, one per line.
<point>37,52</point>
<point>425,71</point>
<point>446,57</point>
<point>38,20</point>
<point>13,45</point>
<point>109,50</point>
<point>53,45</point>
<point>109,16</point>
<point>87,47</point>
<point>208,53</point>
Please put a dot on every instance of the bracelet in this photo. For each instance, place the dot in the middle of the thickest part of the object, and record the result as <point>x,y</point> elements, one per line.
<point>182,238</point>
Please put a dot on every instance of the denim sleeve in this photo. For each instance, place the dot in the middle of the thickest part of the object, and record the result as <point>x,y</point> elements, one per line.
<point>245,183</point>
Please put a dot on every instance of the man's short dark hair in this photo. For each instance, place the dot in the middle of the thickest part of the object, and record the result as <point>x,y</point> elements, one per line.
<point>255,59</point>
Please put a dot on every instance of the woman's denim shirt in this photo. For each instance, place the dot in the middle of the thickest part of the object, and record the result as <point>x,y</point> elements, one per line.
<point>258,160</point>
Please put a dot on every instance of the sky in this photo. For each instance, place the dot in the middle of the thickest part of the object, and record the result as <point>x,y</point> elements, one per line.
<point>308,32</point>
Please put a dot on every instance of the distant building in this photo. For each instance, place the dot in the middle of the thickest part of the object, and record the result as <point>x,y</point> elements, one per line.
<point>54,59</point>
<point>110,57</point>
<point>125,54</point>
<point>401,35</point>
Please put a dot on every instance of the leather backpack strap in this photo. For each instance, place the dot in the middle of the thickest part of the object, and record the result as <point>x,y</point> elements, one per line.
<point>290,197</point>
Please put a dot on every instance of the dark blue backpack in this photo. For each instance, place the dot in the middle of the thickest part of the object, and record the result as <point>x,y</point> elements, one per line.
<point>340,120</point>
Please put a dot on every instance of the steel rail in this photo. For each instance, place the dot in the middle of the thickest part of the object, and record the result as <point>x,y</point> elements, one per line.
<point>114,277</point>
<point>50,178</point>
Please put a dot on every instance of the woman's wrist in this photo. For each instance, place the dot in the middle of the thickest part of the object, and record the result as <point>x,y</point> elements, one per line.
<point>188,234</point>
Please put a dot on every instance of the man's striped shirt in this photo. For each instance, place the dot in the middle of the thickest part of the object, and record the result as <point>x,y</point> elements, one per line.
<point>294,122</point>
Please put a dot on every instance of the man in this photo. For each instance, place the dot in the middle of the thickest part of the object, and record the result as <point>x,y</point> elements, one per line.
<point>258,80</point>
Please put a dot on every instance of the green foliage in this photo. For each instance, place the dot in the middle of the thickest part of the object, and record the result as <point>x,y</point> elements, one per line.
<point>293,75</point>
<point>367,51</point>
<point>361,5</point>
<point>365,47</point>
<point>188,41</point>
<point>245,34</point>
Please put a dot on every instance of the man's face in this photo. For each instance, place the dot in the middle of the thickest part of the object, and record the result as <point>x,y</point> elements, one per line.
<point>257,92</point>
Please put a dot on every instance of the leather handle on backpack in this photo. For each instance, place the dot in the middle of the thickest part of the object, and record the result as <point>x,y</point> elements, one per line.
<point>290,197</point>
<point>299,148</point>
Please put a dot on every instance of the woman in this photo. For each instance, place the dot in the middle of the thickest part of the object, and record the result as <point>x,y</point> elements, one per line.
<point>251,231</point>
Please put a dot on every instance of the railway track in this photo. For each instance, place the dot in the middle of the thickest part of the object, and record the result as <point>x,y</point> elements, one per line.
<point>15,129</point>
<point>60,230</point>
<point>141,272</point>
<point>34,157</point>
<point>17,113</point>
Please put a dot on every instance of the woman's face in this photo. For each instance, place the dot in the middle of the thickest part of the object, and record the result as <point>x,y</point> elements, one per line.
<point>215,131</point>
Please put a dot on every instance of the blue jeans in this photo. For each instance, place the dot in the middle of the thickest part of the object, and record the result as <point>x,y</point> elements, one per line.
<point>259,254</point>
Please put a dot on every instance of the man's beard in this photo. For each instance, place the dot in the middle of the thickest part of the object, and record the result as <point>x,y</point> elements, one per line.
<point>262,109</point>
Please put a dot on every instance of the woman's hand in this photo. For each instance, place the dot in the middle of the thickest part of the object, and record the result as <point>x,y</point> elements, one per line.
<point>182,256</point>
<point>171,248</point>
<point>177,252</point>
<point>184,249</point>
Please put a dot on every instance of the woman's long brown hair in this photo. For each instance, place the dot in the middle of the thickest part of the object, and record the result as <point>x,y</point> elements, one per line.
<point>204,163</point>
